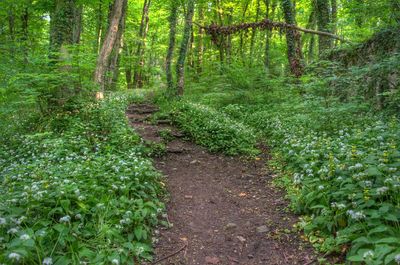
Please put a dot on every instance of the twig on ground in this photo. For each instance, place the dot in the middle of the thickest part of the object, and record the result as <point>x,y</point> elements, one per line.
<point>172,254</point>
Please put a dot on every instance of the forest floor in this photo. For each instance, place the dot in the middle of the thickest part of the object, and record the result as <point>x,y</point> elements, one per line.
<point>223,210</point>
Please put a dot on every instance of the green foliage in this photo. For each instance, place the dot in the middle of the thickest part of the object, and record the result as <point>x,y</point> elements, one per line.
<point>341,159</point>
<point>213,129</point>
<point>87,194</point>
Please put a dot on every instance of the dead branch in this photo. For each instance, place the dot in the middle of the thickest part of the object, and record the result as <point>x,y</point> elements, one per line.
<point>215,30</point>
<point>171,255</point>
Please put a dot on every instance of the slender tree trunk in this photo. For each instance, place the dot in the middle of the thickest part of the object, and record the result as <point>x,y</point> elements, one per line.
<point>292,40</point>
<point>11,30</point>
<point>113,67</point>
<point>322,13</point>
<point>228,48</point>
<point>268,33</point>
<point>171,46</point>
<point>311,25</point>
<point>241,48</point>
<point>254,34</point>
<point>180,66</point>
<point>99,27</point>
<point>108,44</point>
<point>144,27</point>
<point>200,45</point>
<point>25,34</point>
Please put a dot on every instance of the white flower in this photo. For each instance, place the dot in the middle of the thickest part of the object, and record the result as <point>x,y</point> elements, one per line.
<point>24,237</point>
<point>47,261</point>
<point>397,258</point>
<point>65,219</point>
<point>382,190</point>
<point>78,216</point>
<point>356,215</point>
<point>320,187</point>
<point>115,261</point>
<point>14,256</point>
<point>2,221</point>
<point>368,254</point>
<point>12,231</point>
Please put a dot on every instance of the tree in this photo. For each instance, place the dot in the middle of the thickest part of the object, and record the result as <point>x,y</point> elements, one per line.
<point>64,28</point>
<point>171,45</point>
<point>180,66</point>
<point>108,44</point>
<point>292,39</point>
<point>323,21</point>
<point>144,27</point>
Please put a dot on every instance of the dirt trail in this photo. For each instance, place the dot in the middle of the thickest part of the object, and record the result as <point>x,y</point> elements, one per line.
<point>224,210</point>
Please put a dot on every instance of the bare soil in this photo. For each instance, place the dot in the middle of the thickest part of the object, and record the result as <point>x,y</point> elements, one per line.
<point>223,210</point>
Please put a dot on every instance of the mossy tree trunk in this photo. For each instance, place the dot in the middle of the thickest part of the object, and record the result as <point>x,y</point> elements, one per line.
<point>171,46</point>
<point>180,65</point>
<point>323,22</point>
<point>292,40</point>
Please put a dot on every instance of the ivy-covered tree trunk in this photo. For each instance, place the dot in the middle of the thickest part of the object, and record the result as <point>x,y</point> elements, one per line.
<point>292,40</point>
<point>144,27</point>
<point>323,22</point>
<point>108,44</point>
<point>63,25</point>
<point>180,65</point>
<point>171,45</point>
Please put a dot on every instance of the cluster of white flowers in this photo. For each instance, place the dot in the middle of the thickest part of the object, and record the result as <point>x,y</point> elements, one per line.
<point>356,215</point>
<point>65,219</point>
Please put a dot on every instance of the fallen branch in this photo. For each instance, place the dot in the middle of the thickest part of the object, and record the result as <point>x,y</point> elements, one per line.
<point>215,30</point>
<point>171,255</point>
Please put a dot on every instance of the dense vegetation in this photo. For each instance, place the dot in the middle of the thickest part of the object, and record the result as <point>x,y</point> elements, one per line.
<point>317,81</point>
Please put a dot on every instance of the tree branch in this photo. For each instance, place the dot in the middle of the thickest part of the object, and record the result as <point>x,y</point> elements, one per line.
<point>214,30</point>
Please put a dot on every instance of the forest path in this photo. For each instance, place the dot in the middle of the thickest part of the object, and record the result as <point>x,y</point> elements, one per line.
<point>224,210</point>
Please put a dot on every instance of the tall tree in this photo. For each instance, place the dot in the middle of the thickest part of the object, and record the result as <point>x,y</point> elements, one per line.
<point>108,44</point>
<point>140,50</point>
<point>292,40</point>
<point>254,33</point>
<point>63,24</point>
<point>180,65</point>
<point>323,22</point>
<point>113,64</point>
<point>173,17</point>
<point>200,44</point>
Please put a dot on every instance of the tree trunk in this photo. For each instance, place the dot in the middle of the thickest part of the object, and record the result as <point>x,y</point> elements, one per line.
<point>241,48</point>
<point>171,46</point>
<point>113,67</point>
<point>253,35</point>
<point>108,44</point>
<point>62,25</point>
<point>77,29</point>
<point>25,36</point>
<point>180,66</point>
<point>322,13</point>
<point>292,40</point>
<point>268,33</point>
<point>99,27</point>
<point>144,27</point>
<point>11,30</point>
<point>200,45</point>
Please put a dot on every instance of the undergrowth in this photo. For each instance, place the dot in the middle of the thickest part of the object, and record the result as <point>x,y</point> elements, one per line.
<point>85,193</point>
<point>342,161</point>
